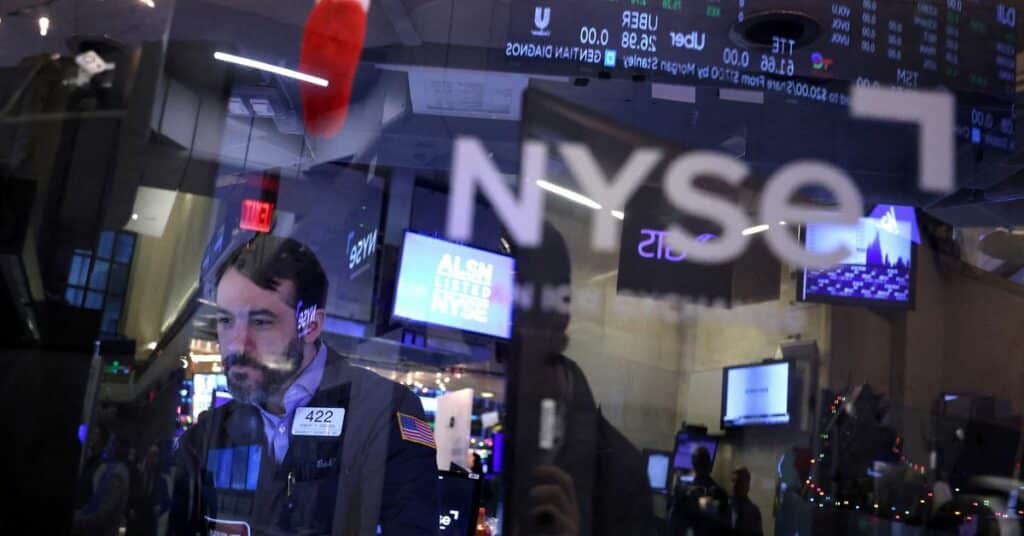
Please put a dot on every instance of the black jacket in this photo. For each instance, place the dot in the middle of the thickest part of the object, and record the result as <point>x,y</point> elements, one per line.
<point>226,479</point>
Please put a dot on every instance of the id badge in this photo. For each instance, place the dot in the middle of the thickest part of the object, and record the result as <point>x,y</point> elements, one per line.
<point>322,422</point>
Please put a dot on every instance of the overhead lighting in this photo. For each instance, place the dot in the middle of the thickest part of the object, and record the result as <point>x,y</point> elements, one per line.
<point>782,223</point>
<point>756,229</point>
<point>205,358</point>
<point>135,217</point>
<point>44,26</point>
<point>568,194</point>
<point>147,3</point>
<point>486,394</point>
<point>262,66</point>
<point>619,214</point>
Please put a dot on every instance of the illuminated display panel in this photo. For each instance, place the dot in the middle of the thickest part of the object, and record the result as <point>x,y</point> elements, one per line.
<point>455,286</point>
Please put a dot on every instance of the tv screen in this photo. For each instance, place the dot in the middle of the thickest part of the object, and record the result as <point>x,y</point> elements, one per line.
<point>756,394</point>
<point>207,389</point>
<point>455,286</point>
<point>686,444</point>
<point>459,503</point>
<point>878,271</point>
<point>658,463</point>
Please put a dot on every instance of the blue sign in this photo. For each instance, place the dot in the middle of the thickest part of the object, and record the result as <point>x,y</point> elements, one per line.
<point>455,286</point>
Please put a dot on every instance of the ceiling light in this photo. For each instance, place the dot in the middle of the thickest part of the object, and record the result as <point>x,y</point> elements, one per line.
<point>44,25</point>
<point>782,223</point>
<point>569,194</point>
<point>486,394</point>
<point>619,214</point>
<point>147,3</point>
<point>135,217</point>
<point>246,62</point>
<point>756,229</point>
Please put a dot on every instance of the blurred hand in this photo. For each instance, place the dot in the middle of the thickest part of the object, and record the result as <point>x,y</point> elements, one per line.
<point>552,503</point>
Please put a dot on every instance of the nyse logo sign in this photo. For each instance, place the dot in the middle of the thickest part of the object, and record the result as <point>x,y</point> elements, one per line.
<point>361,250</point>
<point>473,172</point>
<point>541,21</point>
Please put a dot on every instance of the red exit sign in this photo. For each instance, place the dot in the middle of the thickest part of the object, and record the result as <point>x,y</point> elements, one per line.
<point>256,215</point>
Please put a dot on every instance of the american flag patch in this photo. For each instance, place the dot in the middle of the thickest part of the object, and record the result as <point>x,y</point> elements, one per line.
<point>415,430</point>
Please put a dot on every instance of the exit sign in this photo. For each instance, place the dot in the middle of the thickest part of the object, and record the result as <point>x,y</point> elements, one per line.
<point>256,215</point>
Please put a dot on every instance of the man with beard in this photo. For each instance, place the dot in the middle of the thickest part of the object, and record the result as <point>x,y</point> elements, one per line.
<point>310,444</point>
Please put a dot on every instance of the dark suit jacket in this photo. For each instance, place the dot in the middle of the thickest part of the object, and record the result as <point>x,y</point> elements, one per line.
<point>343,486</point>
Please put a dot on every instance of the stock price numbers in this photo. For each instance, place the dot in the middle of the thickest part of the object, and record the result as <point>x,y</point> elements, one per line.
<point>779,66</point>
<point>593,36</point>
<point>639,41</point>
<point>736,58</point>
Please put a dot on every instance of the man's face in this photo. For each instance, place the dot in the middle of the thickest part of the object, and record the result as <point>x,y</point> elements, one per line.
<point>258,337</point>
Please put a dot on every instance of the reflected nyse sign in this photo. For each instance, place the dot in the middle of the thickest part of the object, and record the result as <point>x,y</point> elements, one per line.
<point>473,172</point>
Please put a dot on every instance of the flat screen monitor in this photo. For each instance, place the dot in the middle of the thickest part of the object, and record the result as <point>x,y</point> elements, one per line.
<point>658,468</point>
<point>879,270</point>
<point>205,392</point>
<point>756,394</point>
<point>459,503</point>
<point>455,286</point>
<point>686,444</point>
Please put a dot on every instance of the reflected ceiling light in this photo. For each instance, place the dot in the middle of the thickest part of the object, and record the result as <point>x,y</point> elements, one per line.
<point>246,62</point>
<point>44,25</point>
<point>756,229</point>
<point>147,3</point>
<point>569,194</point>
<point>619,214</point>
<point>486,394</point>
<point>782,223</point>
<point>135,217</point>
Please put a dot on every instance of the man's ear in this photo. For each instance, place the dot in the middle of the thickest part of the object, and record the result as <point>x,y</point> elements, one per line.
<point>317,326</point>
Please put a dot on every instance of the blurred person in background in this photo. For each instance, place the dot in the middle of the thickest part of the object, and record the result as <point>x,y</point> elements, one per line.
<point>700,505</point>
<point>150,497</point>
<point>744,515</point>
<point>111,487</point>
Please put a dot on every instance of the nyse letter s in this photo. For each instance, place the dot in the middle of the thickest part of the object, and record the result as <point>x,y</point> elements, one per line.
<point>681,191</point>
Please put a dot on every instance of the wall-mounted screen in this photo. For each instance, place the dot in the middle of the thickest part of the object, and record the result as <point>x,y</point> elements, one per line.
<point>455,286</point>
<point>880,267</point>
<point>756,394</point>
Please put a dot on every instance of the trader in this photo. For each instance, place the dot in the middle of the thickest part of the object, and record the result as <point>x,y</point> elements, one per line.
<point>310,444</point>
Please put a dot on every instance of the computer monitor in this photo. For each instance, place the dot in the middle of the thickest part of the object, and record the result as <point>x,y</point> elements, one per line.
<point>878,272</point>
<point>459,503</point>
<point>686,444</point>
<point>756,394</point>
<point>658,464</point>
<point>455,286</point>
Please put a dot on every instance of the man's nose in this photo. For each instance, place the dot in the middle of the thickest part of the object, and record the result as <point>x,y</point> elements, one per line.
<point>236,339</point>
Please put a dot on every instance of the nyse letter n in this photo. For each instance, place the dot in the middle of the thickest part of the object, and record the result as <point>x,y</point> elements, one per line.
<point>473,171</point>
